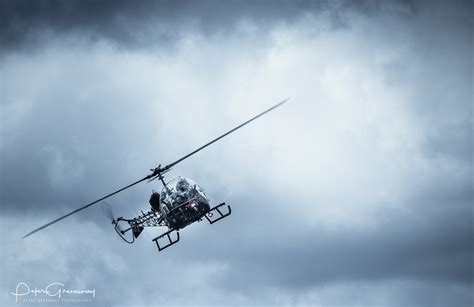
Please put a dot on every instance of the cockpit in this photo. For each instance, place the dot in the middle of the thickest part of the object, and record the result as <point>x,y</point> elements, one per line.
<point>182,200</point>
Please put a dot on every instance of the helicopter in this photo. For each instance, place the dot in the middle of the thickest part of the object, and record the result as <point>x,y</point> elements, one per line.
<point>180,203</point>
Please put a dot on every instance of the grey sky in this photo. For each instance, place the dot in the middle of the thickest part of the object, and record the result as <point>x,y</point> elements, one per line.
<point>358,191</point>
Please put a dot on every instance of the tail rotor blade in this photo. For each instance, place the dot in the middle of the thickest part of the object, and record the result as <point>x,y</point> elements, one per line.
<point>109,214</point>
<point>107,211</point>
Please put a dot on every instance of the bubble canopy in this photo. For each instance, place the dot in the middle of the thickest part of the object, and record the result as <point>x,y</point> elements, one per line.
<point>180,191</point>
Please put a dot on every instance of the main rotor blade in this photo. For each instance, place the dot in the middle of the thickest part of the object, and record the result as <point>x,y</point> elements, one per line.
<point>157,171</point>
<point>227,133</point>
<point>84,207</point>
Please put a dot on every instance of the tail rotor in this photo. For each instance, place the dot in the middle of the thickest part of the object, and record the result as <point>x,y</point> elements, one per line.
<point>109,214</point>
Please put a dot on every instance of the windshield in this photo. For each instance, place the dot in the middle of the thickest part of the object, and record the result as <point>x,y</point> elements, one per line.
<point>181,190</point>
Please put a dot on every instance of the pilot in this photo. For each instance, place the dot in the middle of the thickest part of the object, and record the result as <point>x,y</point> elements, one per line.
<point>193,192</point>
<point>182,186</point>
<point>182,189</point>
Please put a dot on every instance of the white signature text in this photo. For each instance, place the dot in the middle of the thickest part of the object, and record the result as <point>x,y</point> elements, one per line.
<point>54,290</point>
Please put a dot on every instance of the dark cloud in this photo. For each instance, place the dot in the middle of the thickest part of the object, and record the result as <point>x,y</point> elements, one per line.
<point>422,244</point>
<point>27,25</point>
<point>131,23</point>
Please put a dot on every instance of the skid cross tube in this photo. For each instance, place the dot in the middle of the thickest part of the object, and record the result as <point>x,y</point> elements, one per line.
<point>167,234</point>
<point>216,209</point>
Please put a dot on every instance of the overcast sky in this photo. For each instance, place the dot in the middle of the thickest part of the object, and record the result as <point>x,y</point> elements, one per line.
<point>357,192</point>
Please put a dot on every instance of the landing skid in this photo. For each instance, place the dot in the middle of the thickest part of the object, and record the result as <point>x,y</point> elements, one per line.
<point>208,215</point>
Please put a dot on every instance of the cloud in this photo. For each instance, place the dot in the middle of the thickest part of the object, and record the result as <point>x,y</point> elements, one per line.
<point>358,191</point>
<point>160,24</point>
